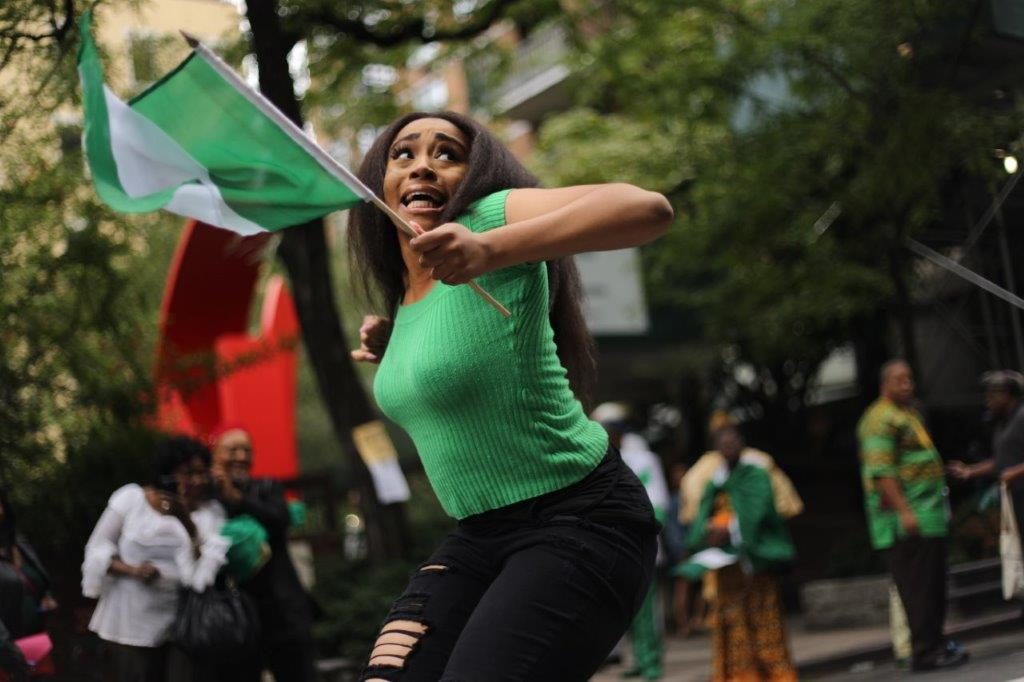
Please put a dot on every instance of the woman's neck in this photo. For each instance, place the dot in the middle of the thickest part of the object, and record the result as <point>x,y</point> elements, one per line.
<point>418,281</point>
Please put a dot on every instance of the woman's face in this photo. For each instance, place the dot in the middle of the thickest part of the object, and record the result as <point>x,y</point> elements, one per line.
<point>730,444</point>
<point>426,164</point>
<point>193,480</point>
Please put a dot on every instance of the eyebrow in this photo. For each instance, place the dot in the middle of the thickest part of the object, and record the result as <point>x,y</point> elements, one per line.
<point>440,136</point>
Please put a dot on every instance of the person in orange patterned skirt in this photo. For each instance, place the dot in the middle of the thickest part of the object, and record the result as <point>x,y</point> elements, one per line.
<point>741,544</point>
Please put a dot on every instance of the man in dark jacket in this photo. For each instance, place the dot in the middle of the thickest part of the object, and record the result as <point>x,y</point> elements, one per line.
<point>1003,393</point>
<point>285,608</point>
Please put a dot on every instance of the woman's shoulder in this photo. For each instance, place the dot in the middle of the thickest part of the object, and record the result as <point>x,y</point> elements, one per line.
<point>126,497</point>
<point>487,212</point>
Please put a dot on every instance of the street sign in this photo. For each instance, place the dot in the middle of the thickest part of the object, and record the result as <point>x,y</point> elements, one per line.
<point>614,302</point>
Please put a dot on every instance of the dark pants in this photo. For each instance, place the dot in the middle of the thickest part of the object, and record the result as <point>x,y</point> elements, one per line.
<point>538,591</point>
<point>290,660</point>
<point>148,664</point>
<point>918,568</point>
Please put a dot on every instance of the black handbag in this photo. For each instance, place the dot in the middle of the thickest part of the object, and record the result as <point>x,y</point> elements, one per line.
<point>221,622</point>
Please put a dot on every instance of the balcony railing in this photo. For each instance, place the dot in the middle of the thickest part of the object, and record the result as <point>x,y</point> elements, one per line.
<point>537,65</point>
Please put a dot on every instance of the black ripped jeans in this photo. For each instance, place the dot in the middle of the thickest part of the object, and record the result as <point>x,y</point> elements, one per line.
<point>536,591</point>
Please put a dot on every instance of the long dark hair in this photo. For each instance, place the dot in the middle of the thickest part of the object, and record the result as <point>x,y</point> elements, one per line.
<point>172,452</point>
<point>376,257</point>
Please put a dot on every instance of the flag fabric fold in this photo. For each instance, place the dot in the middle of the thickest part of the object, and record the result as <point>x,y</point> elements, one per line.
<point>197,145</point>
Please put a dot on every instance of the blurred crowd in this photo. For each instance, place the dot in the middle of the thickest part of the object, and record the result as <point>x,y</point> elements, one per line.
<point>190,571</point>
<point>193,580</point>
<point>725,544</point>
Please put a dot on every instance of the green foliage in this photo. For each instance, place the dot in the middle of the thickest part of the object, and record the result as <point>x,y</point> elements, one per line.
<point>610,147</point>
<point>75,493</point>
<point>356,595</point>
<point>808,140</point>
<point>78,295</point>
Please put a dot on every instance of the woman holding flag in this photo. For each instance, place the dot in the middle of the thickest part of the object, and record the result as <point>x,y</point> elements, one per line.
<point>556,538</point>
<point>555,542</point>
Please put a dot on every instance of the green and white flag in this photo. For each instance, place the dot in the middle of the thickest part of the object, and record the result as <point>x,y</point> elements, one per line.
<point>202,144</point>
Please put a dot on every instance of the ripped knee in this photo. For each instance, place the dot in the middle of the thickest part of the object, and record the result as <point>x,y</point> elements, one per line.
<point>401,634</point>
<point>396,641</point>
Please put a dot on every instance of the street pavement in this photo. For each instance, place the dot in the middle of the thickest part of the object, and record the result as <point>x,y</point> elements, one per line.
<point>689,660</point>
<point>998,657</point>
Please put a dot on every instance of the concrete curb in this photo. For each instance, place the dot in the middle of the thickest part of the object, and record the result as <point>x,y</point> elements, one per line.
<point>882,651</point>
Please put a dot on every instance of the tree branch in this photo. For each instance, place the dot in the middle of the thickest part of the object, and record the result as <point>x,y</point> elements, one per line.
<point>412,29</point>
<point>57,32</point>
<point>8,54</point>
<point>808,54</point>
<point>817,60</point>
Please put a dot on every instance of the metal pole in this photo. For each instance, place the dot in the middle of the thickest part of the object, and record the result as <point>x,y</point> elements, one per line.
<point>988,320</point>
<point>993,210</point>
<point>1004,254</point>
<point>969,275</point>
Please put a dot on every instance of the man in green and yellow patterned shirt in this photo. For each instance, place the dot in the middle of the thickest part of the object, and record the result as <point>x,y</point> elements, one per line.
<point>905,498</point>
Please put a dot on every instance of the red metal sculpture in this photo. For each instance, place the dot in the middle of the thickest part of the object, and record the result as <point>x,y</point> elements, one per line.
<point>210,368</point>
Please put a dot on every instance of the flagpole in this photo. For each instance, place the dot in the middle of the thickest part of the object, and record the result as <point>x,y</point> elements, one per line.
<point>407,228</point>
<point>329,164</point>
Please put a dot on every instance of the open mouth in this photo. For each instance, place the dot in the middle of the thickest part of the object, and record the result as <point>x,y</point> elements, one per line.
<point>423,199</point>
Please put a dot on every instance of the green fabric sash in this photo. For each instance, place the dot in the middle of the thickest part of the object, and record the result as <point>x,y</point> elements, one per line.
<point>764,541</point>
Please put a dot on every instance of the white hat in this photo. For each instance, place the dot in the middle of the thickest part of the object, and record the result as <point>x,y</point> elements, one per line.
<point>610,413</point>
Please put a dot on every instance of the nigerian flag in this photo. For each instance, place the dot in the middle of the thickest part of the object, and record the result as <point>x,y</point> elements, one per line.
<point>202,144</point>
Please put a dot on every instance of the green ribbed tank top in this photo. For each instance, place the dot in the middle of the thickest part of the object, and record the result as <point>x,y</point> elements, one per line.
<point>485,398</point>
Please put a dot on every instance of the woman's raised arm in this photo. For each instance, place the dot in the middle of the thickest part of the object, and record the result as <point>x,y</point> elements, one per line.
<point>546,224</point>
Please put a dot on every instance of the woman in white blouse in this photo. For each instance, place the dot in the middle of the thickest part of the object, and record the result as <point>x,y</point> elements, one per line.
<point>150,541</point>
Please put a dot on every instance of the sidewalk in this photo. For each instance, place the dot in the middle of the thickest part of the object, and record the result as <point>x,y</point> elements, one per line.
<point>689,660</point>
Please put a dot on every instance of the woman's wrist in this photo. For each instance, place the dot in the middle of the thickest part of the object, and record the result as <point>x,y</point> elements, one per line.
<point>503,248</point>
<point>493,251</point>
<point>119,567</point>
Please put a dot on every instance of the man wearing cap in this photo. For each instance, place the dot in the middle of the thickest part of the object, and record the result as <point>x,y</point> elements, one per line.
<point>1003,389</point>
<point>907,510</point>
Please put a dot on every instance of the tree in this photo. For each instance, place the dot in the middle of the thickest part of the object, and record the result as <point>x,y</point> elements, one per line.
<point>74,293</point>
<point>78,291</point>
<point>37,40</point>
<point>353,30</point>
<point>815,138</point>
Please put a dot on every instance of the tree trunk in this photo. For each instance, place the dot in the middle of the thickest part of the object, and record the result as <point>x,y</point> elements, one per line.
<point>304,252</point>
<point>899,266</point>
<point>872,351</point>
